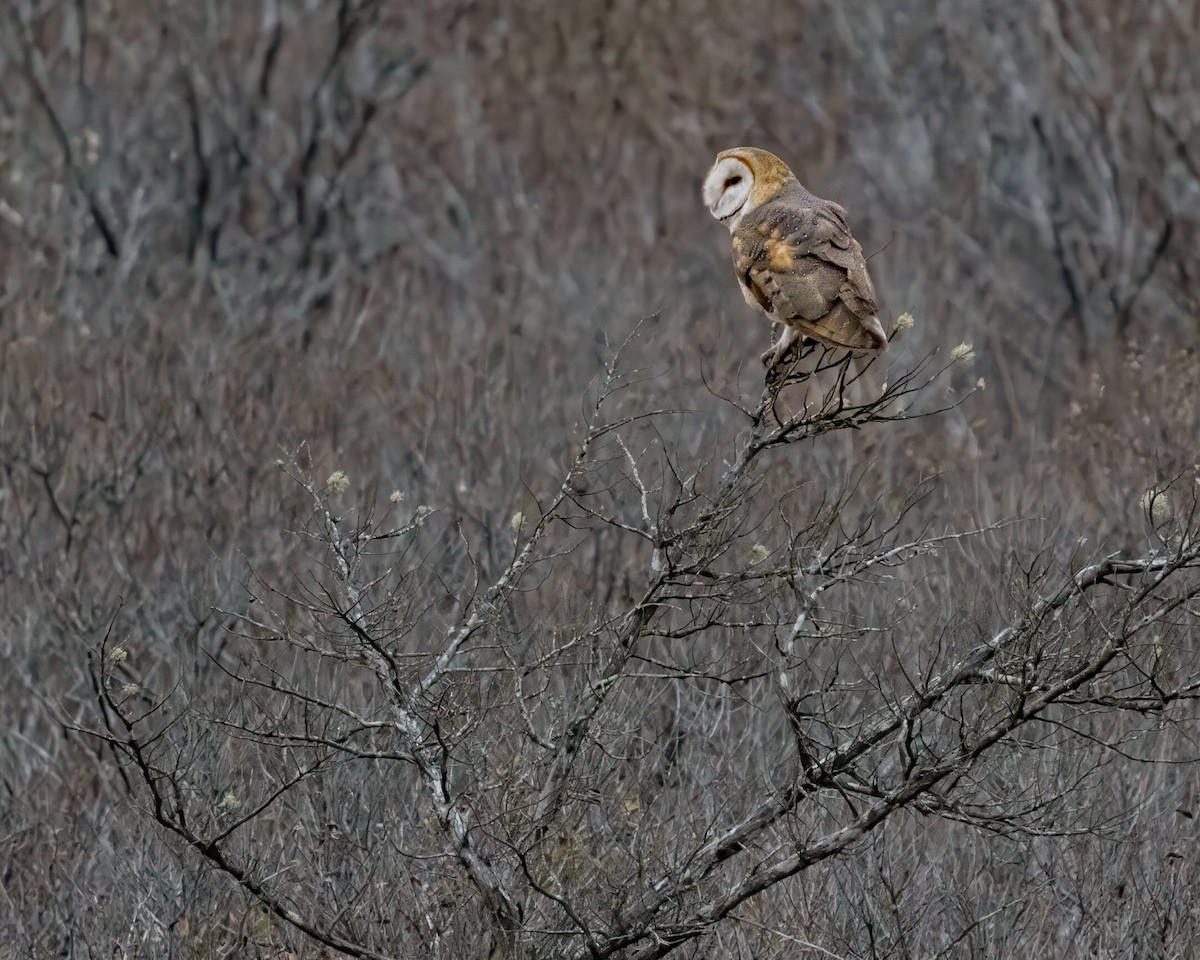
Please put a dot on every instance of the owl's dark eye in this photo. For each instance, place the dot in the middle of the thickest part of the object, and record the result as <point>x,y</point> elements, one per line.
<point>731,181</point>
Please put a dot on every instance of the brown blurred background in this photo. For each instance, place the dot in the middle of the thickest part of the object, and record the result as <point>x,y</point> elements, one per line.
<point>397,237</point>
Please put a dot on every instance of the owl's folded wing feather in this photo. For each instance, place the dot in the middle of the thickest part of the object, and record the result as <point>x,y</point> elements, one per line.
<point>796,257</point>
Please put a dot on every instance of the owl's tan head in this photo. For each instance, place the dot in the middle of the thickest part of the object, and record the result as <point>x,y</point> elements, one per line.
<point>740,180</point>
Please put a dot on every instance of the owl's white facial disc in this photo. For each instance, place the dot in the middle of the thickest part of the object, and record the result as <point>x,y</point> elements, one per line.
<point>726,190</point>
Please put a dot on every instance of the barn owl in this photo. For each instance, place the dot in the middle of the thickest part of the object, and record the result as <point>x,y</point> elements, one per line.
<point>793,254</point>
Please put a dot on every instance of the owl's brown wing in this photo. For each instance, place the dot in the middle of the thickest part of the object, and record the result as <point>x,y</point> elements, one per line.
<point>796,257</point>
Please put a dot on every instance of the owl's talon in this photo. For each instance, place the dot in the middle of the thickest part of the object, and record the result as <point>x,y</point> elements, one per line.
<point>781,354</point>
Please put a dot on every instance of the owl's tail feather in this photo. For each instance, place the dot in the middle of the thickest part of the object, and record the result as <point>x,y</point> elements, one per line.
<point>841,327</point>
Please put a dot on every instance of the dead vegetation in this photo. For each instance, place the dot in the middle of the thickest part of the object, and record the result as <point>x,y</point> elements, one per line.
<point>399,554</point>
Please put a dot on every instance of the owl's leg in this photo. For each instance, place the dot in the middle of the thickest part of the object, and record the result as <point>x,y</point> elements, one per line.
<point>786,339</point>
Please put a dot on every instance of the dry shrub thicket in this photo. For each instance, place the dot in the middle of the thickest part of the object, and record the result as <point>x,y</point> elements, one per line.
<point>400,556</point>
